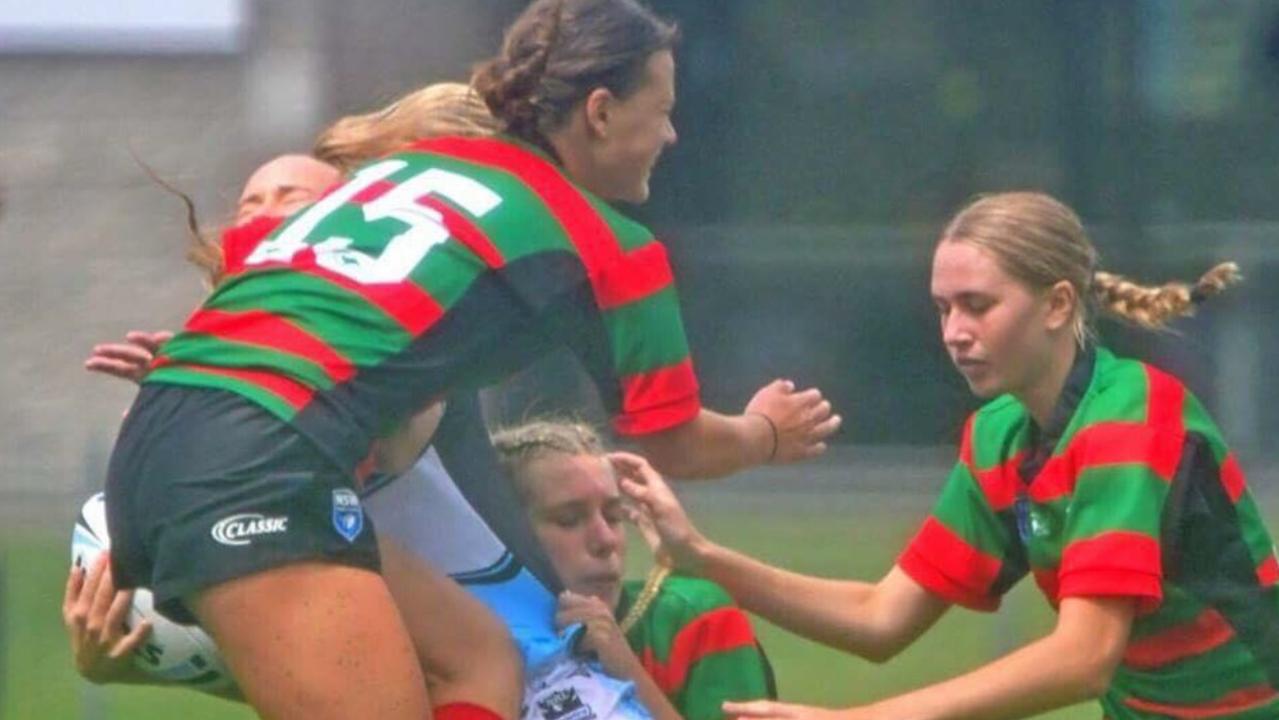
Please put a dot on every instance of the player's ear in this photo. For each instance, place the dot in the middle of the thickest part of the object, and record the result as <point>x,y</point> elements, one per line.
<point>598,108</point>
<point>1061,301</point>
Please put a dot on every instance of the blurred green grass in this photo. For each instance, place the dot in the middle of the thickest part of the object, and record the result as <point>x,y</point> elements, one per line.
<point>834,534</point>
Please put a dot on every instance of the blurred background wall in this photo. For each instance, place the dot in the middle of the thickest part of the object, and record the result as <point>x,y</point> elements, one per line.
<point>823,142</point>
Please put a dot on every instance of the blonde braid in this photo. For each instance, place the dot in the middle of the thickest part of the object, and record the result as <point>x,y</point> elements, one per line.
<point>652,585</point>
<point>1154,307</point>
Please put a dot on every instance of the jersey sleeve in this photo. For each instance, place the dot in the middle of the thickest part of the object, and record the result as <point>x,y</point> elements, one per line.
<point>704,650</point>
<point>648,379</point>
<point>1111,543</point>
<point>965,552</point>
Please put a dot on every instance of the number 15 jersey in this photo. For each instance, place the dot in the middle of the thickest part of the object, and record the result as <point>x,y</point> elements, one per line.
<point>443,267</point>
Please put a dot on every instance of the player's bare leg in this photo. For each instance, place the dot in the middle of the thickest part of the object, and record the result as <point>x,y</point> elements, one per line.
<point>316,641</point>
<point>467,654</point>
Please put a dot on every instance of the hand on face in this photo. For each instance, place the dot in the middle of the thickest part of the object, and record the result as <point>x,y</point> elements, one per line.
<point>667,528</point>
<point>803,419</point>
<point>94,614</point>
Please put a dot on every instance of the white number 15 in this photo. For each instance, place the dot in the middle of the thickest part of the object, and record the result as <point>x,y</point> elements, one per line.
<point>404,251</point>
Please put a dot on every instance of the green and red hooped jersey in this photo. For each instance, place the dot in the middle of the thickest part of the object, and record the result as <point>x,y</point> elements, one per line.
<point>698,647</point>
<point>441,268</point>
<point>1133,493</point>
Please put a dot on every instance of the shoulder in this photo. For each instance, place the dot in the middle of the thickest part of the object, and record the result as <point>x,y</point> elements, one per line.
<point>1138,393</point>
<point>630,234</point>
<point>691,596</point>
<point>992,430</point>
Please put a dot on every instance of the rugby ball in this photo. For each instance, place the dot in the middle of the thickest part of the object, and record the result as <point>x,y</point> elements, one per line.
<point>173,653</point>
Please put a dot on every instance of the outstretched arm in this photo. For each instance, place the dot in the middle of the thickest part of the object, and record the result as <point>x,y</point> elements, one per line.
<point>779,425</point>
<point>873,620</point>
<point>1073,663</point>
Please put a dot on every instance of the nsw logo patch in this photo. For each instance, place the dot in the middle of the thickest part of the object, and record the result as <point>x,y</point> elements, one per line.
<point>348,516</point>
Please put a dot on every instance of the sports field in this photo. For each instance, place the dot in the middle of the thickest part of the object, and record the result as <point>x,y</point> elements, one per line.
<point>823,525</point>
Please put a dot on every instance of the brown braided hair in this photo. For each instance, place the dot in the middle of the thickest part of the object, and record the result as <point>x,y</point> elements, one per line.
<point>558,51</point>
<point>1040,241</point>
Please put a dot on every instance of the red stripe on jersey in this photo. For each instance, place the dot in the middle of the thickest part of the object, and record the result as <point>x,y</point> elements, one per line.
<point>372,192</point>
<point>1118,562</point>
<point>1232,478</point>
<point>644,271</point>
<point>405,302</point>
<point>1000,483</point>
<point>715,631</point>
<point>641,415</point>
<point>1206,632</point>
<point>258,327</point>
<point>1165,400</point>
<point>588,232</point>
<point>1108,443</point>
<point>1236,702</point>
<point>238,242</point>
<point>465,231</point>
<point>949,567</point>
<point>291,392</point>
<point>1268,571</point>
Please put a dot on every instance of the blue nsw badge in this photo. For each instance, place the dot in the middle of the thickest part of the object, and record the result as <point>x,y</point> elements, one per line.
<point>348,516</point>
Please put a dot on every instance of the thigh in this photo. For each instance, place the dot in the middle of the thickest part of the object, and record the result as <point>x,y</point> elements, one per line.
<point>315,641</point>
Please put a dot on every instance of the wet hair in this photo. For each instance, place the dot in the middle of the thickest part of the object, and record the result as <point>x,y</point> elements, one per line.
<point>439,109</point>
<point>559,51</point>
<point>1040,241</point>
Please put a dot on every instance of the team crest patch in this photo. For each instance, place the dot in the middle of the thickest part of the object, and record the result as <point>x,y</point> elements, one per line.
<point>348,516</point>
<point>564,705</point>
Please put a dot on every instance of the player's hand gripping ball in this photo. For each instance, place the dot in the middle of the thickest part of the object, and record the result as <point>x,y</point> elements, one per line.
<point>173,654</point>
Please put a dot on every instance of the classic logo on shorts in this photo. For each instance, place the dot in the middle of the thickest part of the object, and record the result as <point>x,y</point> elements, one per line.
<point>241,529</point>
<point>564,705</point>
<point>348,516</point>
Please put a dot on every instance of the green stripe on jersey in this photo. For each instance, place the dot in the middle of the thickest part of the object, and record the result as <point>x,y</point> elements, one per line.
<point>1217,672</point>
<point>955,509</point>
<point>999,421</point>
<point>521,224</point>
<point>447,272</point>
<point>194,378</point>
<point>201,349</point>
<point>357,329</point>
<point>1120,394</point>
<point>630,234</point>
<point>647,334</point>
<point>1128,497</point>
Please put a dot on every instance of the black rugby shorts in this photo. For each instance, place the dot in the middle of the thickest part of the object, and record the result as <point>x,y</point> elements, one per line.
<point>204,486</point>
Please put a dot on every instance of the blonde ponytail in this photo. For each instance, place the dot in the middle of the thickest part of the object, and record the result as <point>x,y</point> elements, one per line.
<point>1154,307</point>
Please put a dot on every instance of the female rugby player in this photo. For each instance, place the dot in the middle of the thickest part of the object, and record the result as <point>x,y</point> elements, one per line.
<point>1101,477</point>
<point>683,642</point>
<point>440,268</point>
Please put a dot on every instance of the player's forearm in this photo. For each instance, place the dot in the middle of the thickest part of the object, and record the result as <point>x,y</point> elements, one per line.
<point>710,445</point>
<point>838,613</point>
<point>1039,677</point>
